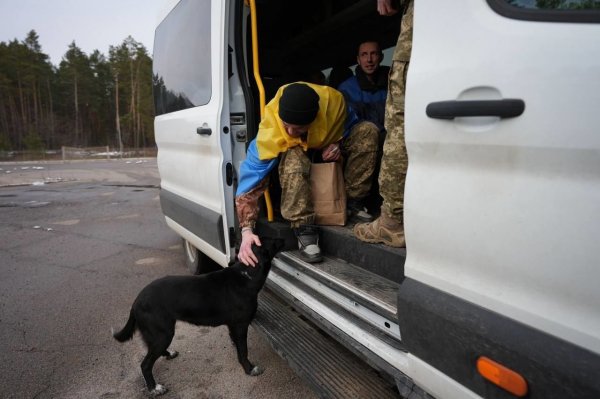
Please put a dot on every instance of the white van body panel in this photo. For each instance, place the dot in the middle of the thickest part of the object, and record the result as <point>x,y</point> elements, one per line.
<point>435,382</point>
<point>193,166</point>
<point>504,213</point>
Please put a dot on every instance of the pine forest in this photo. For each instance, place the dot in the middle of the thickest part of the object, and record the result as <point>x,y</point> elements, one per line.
<point>87,100</point>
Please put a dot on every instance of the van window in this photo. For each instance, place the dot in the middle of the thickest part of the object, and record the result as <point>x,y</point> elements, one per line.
<point>182,58</point>
<point>549,10</point>
<point>556,4</point>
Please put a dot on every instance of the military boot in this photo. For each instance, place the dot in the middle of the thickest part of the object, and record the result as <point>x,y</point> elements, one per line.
<point>382,230</point>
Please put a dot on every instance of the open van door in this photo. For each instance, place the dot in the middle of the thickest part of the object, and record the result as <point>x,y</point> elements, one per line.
<point>192,126</point>
<point>503,186</point>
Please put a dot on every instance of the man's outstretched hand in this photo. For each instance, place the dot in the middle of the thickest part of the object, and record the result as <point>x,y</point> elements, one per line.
<point>246,256</point>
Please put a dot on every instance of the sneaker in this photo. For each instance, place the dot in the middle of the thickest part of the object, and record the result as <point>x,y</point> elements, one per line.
<point>357,212</point>
<point>308,243</point>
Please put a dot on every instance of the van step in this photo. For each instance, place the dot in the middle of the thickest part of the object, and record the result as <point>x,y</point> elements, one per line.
<point>357,284</point>
<point>330,369</point>
<point>380,259</point>
<point>340,242</point>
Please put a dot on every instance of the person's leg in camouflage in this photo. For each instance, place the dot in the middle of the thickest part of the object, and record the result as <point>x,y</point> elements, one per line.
<point>296,202</point>
<point>360,150</point>
<point>388,228</point>
<point>294,177</point>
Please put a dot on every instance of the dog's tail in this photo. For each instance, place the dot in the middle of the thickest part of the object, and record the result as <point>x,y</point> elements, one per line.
<point>127,332</point>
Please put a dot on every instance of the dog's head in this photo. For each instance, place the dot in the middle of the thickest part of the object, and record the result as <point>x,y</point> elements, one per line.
<point>265,253</point>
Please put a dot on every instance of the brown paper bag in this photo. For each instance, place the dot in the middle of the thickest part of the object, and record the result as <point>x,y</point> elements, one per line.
<point>328,193</point>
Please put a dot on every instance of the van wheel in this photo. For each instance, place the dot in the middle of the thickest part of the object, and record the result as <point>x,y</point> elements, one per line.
<point>196,261</point>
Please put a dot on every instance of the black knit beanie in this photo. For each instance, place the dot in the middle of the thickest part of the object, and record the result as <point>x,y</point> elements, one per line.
<point>298,104</point>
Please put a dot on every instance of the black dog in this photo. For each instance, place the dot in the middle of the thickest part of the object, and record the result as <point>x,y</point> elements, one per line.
<point>227,296</point>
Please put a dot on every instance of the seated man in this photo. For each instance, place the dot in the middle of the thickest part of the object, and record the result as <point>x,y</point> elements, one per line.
<point>302,117</point>
<point>366,94</point>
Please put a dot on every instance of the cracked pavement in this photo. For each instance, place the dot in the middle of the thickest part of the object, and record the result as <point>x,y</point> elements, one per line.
<point>78,242</point>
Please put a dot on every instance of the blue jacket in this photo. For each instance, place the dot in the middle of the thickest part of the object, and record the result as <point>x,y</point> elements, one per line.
<point>365,98</point>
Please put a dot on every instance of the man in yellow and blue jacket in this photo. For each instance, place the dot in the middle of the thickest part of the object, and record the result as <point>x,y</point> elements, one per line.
<point>301,119</point>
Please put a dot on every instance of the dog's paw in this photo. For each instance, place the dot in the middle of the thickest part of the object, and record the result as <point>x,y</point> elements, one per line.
<point>256,371</point>
<point>158,390</point>
<point>171,354</point>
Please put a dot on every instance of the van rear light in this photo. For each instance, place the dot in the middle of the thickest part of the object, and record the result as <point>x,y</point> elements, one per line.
<point>502,376</point>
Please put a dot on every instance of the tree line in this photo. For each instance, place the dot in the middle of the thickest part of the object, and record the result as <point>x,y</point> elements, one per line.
<point>88,100</point>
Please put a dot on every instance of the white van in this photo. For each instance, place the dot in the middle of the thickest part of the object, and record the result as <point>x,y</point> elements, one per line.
<point>498,292</point>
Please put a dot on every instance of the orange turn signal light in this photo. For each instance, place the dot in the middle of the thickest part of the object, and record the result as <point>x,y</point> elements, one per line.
<point>502,376</point>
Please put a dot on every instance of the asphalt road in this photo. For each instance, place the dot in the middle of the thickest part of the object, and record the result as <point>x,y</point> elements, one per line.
<point>78,241</point>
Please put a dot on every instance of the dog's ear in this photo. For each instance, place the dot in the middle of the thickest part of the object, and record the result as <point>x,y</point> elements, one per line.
<point>272,245</point>
<point>264,259</point>
<point>262,253</point>
<point>269,248</point>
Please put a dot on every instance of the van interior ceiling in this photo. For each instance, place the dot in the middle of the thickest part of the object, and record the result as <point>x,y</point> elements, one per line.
<point>297,37</point>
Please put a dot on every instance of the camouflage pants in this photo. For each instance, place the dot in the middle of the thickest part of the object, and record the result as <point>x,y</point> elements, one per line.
<point>360,151</point>
<point>394,164</point>
<point>294,177</point>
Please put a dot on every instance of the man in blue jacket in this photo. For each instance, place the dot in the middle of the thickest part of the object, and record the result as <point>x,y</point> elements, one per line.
<point>366,93</point>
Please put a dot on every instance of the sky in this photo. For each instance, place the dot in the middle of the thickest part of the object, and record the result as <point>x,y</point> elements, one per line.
<point>92,24</point>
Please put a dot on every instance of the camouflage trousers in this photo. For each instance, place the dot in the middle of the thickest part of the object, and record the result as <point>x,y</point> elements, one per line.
<point>394,163</point>
<point>360,154</point>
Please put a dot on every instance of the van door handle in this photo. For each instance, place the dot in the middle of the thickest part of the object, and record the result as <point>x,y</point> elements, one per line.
<point>506,108</point>
<point>204,131</point>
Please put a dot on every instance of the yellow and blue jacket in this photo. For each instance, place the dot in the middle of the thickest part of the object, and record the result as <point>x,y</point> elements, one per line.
<point>333,122</point>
